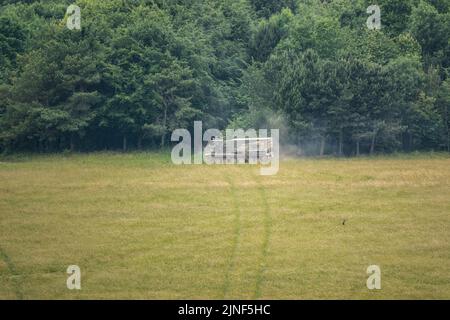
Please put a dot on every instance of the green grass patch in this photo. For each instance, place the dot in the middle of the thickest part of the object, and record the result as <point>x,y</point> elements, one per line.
<point>140,227</point>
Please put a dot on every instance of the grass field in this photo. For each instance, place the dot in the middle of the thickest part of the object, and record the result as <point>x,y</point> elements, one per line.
<point>140,227</point>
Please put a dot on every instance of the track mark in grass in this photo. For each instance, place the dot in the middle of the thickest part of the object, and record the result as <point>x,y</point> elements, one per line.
<point>236,238</point>
<point>13,272</point>
<point>265,244</point>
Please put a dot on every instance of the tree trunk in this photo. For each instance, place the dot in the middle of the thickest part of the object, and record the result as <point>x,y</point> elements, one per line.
<point>139,143</point>
<point>124,143</point>
<point>410,141</point>
<point>40,145</point>
<point>163,138</point>
<point>322,145</point>
<point>72,142</point>
<point>299,151</point>
<point>448,138</point>
<point>341,142</point>
<point>357,147</point>
<point>447,122</point>
<point>372,144</point>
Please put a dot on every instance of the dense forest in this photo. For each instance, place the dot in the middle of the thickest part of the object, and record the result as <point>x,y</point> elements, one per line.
<point>138,69</point>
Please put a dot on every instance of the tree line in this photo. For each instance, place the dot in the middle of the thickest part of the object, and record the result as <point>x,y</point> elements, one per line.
<point>138,69</point>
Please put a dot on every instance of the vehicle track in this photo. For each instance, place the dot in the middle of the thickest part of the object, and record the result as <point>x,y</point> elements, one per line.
<point>13,271</point>
<point>266,241</point>
<point>236,238</point>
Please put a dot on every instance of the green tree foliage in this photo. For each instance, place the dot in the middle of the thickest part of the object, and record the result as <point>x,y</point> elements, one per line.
<point>12,42</point>
<point>266,8</point>
<point>138,69</point>
<point>269,33</point>
<point>432,29</point>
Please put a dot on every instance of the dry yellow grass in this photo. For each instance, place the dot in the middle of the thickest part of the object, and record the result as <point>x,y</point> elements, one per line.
<point>140,227</point>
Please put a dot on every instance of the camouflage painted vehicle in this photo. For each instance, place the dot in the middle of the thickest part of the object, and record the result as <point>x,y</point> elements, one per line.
<point>244,150</point>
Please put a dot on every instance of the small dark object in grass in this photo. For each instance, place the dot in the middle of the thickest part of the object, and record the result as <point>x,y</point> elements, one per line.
<point>343,222</point>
